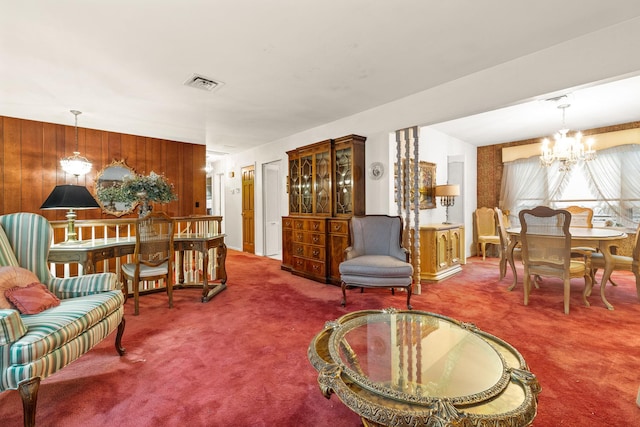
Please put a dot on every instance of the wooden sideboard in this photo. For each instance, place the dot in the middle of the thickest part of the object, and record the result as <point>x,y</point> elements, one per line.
<point>441,251</point>
<point>326,186</point>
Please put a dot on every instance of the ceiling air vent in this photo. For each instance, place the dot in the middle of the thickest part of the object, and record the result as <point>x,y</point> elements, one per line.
<point>201,82</point>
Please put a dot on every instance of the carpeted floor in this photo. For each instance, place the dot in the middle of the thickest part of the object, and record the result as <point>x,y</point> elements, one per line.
<point>240,359</point>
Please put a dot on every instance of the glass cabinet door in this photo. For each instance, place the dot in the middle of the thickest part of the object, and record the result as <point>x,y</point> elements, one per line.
<point>294,186</point>
<point>306,184</point>
<point>323,182</point>
<point>344,182</point>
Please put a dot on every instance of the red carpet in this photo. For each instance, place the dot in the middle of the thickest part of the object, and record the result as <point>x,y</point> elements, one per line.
<point>240,359</point>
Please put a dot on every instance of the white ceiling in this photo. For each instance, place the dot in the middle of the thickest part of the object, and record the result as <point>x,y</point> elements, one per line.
<point>286,65</point>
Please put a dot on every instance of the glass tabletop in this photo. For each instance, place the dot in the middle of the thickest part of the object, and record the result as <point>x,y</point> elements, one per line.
<point>418,358</point>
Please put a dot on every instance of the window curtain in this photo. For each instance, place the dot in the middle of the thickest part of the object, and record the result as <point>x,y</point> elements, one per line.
<point>613,177</point>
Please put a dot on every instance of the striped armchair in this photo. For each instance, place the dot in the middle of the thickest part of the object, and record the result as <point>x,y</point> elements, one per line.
<point>34,346</point>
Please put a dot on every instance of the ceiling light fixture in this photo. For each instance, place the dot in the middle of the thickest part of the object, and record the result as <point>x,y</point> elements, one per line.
<point>76,164</point>
<point>567,150</point>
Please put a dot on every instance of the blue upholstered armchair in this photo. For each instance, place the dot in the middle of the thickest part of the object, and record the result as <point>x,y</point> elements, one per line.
<point>376,258</point>
<point>34,346</point>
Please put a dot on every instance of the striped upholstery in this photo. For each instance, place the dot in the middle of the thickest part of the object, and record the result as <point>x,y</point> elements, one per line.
<point>7,257</point>
<point>38,345</point>
<point>11,327</point>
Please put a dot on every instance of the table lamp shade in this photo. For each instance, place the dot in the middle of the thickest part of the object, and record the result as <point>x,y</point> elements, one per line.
<point>70,197</point>
<point>447,190</point>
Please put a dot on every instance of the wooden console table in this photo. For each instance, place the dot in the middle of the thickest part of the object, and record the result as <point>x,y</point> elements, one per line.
<point>89,252</point>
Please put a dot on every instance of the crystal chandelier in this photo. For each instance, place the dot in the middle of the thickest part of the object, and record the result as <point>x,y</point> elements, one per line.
<point>76,164</point>
<point>567,150</point>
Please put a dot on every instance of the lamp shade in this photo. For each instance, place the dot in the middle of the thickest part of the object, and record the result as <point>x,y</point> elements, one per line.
<point>70,197</point>
<point>447,190</point>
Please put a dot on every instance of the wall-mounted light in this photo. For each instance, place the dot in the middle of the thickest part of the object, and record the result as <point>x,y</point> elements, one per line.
<point>232,174</point>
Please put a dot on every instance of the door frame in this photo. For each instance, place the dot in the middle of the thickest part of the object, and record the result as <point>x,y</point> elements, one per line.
<point>271,195</point>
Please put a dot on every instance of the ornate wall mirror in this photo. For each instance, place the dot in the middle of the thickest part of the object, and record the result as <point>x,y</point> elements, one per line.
<point>108,184</point>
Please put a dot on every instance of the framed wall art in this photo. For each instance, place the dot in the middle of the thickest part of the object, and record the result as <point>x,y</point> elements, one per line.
<point>426,183</point>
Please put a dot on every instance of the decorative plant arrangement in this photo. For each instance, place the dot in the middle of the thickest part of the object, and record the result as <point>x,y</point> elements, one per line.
<point>140,189</point>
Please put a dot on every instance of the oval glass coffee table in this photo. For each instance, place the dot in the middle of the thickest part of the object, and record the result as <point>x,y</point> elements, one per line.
<point>414,368</point>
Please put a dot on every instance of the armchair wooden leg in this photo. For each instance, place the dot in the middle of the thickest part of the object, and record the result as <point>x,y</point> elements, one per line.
<point>344,294</point>
<point>409,298</point>
<point>119,348</point>
<point>170,292</point>
<point>29,393</point>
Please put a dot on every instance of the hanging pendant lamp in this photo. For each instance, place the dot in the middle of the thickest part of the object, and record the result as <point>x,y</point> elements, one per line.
<point>76,164</point>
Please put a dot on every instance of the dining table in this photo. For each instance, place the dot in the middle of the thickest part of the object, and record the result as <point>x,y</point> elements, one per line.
<point>600,239</point>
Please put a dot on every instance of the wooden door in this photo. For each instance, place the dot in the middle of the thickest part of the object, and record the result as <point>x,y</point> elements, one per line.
<point>248,226</point>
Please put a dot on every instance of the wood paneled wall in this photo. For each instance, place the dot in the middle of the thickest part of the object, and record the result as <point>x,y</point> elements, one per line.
<point>490,163</point>
<point>30,154</point>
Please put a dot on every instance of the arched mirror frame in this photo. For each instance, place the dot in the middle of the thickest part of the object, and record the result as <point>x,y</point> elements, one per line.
<point>112,174</point>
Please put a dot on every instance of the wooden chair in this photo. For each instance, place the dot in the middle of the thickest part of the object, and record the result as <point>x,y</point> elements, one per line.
<point>504,244</point>
<point>486,229</point>
<point>580,216</point>
<point>376,258</point>
<point>621,262</point>
<point>153,256</point>
<point>546,250</point>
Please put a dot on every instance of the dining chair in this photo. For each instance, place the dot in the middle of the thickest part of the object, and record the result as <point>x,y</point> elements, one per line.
<point>504,244</point>
<point>620,262</point>
<point>153,256</point>
<point>486,229</point>
<point>581,216</point>
<point>546,251</point>
<point>376,258</point>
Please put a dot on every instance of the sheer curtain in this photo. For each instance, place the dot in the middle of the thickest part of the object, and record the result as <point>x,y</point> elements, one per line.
<point>615,179</point>
<point>612,178</point>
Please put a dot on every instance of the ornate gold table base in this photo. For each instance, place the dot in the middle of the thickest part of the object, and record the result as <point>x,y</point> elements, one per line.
<point>414,368</point>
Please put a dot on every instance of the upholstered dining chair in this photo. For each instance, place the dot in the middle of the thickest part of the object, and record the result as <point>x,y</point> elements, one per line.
<point>581,216</point>
<point>546,250</point>
<point>486,229</point>
<point>153,256</point>
<point>376,258</point>
<point>620,262</point>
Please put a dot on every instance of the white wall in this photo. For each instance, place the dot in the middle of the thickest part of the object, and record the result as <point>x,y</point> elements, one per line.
<point>587,59</point>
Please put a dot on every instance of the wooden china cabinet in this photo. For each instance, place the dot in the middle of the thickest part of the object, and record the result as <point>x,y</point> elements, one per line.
<point>326,186</point>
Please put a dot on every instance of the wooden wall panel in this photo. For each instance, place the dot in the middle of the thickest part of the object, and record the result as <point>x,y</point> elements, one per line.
<point>12,170</point>
<point>31,161</point>
<point>30,165</point>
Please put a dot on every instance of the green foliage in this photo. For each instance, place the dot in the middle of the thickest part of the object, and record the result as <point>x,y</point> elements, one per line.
<point>156,187</point>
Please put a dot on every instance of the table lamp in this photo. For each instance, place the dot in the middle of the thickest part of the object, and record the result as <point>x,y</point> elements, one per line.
<point>447,194</point>
<point>70,197</point>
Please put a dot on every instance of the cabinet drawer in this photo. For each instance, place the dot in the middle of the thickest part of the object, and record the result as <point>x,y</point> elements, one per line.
<point>316,268</point>
<point>106,253</point>
<point>314,239</point>
<point>299,263</point>
<point>287,223</point>
<point>298,250</point>
<point>338,227</point>
<point>300,224</point>
<point>316,253</point>
<point>299,236</point>
<point>315,225</point>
